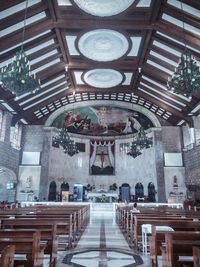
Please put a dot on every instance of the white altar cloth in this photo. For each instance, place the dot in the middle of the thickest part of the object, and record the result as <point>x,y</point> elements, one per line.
<point>94,195</point>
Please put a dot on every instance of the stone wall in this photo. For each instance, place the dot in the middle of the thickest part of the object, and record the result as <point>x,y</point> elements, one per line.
<point>192,166</point>
<point>172,146</point>
<point>60,167</point>
<point>148,167</point>
<point>9,156</point>
<point>30,174</point>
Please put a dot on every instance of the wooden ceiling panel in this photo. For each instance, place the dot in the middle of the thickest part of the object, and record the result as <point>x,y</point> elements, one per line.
<point>150,68</point>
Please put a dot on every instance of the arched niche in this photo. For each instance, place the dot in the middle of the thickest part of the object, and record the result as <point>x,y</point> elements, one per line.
<point>8,183</point>
<point>151,192</point>
<point>52,191</point>
<point>139,191</point>
<point>124,192</point>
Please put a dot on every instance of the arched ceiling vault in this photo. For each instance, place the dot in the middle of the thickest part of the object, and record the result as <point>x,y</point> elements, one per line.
<point>64,46</point>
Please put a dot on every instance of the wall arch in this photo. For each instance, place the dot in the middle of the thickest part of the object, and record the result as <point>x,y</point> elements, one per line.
<point>8,183</point>
<point>124,105</point>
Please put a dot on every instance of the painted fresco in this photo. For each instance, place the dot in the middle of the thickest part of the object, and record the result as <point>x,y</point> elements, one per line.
<point>102,121</point>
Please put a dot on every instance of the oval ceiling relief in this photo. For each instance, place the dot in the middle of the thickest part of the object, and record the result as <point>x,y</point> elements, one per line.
<point>103,8</point>
<point>103,78</point>
<point>103,45</point>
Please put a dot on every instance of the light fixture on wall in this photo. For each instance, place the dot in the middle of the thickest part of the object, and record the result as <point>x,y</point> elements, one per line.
<point>186,78</point>
<point>16,76</point>
<point>140,141</point>
<point>63,139</point>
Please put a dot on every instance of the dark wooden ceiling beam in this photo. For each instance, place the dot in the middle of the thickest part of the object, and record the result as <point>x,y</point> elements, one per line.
<point>30,45</point>
<point>160,104</point>
<point>162,97</point>
<point>162,63</point>
<point>29,113</point>
<point>183,16</point>
<point>8,97</point>
<point>193,3</point>
<point>147,41</point>
<point>166,92</point>
<point>31,30</point>
<point>189,105</point>
<point>133,14</point>
<point>50,71</point>
<point>58,33</point>
<point>55,75</point>
<point>5,4</point>
<point>172,44</point>
<point>155,72</point>
<point>177,33</point>
<point>92,24</point>
<point>43,51</point>
<point>164,53</point>
<point>117,89</point>
<point>19,16</point>
<point>45,61</point>
<point>126,65</point>
<point>43,89</point>
<point>46,94</point>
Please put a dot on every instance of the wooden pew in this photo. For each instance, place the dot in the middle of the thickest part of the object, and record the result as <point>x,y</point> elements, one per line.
<point>7,256</point>
<point>178,244</point>
<point>31,247</point>
<point>178,224</point>
<point>156,241</point>
<point>63,228</point>
<point>48,236</point>
<point>196,256</point>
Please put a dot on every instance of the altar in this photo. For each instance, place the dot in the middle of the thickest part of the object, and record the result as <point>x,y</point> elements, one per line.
<point>102,197</point>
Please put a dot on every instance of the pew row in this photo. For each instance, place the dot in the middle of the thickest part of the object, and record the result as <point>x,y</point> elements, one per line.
<point>7,256</point>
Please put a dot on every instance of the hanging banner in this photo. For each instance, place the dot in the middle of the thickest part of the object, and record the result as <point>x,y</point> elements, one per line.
<point>102,157</point>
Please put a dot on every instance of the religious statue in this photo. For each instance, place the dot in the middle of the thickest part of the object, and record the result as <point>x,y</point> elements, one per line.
<point>28,182</point>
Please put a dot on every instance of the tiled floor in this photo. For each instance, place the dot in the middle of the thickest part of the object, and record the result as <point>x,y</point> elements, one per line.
<point>102,245</point>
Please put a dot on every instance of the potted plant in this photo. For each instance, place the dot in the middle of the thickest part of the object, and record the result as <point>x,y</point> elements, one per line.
<point>113,187</point>
<point>88,188</point>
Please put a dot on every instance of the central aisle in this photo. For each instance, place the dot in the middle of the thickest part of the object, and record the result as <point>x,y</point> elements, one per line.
<point>102,245</point>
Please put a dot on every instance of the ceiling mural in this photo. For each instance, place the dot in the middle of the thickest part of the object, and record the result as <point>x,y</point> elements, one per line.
<point>102,121</point>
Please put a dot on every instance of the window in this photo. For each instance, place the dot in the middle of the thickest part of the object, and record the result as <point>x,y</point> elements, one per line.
<point>15,136</point>
<point>2,125</point>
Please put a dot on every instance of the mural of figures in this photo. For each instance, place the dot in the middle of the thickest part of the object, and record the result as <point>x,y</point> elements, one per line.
<point>102,157</point>
<point>102,121</point>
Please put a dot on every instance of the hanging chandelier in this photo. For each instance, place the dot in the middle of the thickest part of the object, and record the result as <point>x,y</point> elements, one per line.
<point>63,139</point>
<point>140,141</point>
<point>16,76</point>
<point>186,78</point>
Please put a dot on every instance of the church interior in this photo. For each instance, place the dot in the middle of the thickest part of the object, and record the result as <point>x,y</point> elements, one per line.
<point>100,133</point>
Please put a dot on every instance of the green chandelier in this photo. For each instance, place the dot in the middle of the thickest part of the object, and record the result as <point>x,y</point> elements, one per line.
<point>186,78</point>
<point>140,141</point>
<point>63,139</point>
<point>16,76</point>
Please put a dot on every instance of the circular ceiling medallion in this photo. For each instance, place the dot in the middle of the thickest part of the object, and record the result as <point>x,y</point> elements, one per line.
<point>103,78</point>
<point>103,45</point>
<point>104,8</point>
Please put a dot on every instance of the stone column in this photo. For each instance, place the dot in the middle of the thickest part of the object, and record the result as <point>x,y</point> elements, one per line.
<point>159,161</point>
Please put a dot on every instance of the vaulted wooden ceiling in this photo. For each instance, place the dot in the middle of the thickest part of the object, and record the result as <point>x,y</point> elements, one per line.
<point>157,32</point>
